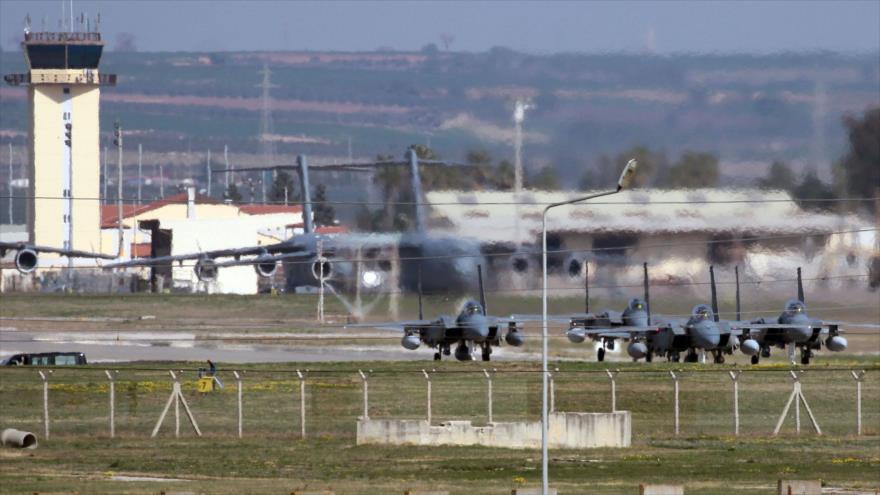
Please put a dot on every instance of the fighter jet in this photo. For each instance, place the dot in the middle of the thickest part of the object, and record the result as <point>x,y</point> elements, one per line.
<point>26,255</point>
<point>663,336</point>
<point>793,328</point>
<point>472,328</point>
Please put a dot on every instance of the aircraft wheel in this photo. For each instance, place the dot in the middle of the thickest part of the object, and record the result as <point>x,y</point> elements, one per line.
<point>675,357</point>
<point>436,356</point>
<point>691,357</point>
<point>765,352</point>
<point>805,356</point>
<point>600,354</point>
<point>487,353</point>
<point>649,357</point>
<point>446,351</point>
<point>755,359</point>
<point>805,360</point>
<point>719,359</point>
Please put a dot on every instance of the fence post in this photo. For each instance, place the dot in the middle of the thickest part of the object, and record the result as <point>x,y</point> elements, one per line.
<point>675,384</point>
<point>552,386</point>
<point>734,375</point>
<point>45,402</point>
<point>613,377</point>
<point>489,392</point>
<point>175,387</point>
<point>859,376</point>
<point>428,378</point>
<point>238,389</point>
<point>302,404</point>
<point>112,403</point>
<point>366,395</point>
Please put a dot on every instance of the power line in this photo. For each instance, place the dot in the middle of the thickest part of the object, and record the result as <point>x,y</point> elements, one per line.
<point>663,370</point>
<point>477,203</point>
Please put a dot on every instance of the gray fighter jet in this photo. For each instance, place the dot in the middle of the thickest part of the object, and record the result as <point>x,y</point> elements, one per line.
<point>664,336</point>
<point>472,328</point>
<point>793,328</point>
<point>26,254</point>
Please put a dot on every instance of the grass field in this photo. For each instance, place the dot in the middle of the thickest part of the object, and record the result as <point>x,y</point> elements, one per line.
<point>273,458</point>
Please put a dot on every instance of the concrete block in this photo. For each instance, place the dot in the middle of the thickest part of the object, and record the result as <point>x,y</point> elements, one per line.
<point>567,431</point>
<point>418,492</point>
<point>661,489</point>
<point>312,492</point>
<point>799,487</point>
<point>532,491</point>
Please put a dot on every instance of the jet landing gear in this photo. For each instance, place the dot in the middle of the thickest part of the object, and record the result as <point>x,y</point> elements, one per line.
<point>718,357</point>
<point>487,352</point>
<point>442,351</point>
<point>806,354</point>
<point>691,357</point>
<point>600,354</point>
<point>755,359</point>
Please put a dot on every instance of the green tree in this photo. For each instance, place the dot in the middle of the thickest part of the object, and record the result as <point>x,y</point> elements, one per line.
<point>694,169</point>
<point>861,164</point>
<point>819,194</point>
<point>232,193</point>
<point>780,176</point>
<point>546,179</point>
<point>282,188</point>
<point>325,214</point>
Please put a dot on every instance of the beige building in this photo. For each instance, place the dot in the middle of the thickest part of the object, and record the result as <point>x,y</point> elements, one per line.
<point>63,132</point>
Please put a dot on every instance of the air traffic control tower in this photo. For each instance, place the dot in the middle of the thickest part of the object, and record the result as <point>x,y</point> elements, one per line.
<point>63,168</point>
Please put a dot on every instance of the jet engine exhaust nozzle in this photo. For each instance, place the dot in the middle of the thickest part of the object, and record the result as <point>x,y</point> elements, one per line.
<point>576,335</point>
<point>750,347</point>
<point>266,268</point>
<point>836,343</point>
<point>321,269</point>
<point>26,260</point>
<point>206,270</point>
<point>637,350</point>
<point>411,342</point>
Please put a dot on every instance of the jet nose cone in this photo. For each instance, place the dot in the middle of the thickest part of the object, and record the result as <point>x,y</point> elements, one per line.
<point>707,336</point>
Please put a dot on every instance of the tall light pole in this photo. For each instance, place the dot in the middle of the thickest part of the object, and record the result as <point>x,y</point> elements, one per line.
<point>625,177</point>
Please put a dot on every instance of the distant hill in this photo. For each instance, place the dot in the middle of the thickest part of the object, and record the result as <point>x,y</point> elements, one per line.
<point>746,109</point>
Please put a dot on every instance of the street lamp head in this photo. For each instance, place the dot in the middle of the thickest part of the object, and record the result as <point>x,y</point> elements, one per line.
<point>626,176</point>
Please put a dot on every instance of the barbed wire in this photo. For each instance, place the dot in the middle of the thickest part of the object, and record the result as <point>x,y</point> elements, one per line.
<point>308,371</point>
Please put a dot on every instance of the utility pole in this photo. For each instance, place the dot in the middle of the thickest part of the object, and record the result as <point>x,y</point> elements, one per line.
<point>161,181</point>
<point>226,167</point>
<point>118,142</point>
<point>267,145</point>
<point>140,171</point>
<point>208,165</point>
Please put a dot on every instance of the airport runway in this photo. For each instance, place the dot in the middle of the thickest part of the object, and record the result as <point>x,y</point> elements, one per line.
<point>187,347</point>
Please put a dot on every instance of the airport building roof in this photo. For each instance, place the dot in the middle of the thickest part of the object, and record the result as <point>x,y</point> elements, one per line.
<point>493,216</point>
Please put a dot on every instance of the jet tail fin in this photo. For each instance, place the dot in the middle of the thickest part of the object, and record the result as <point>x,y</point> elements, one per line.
<point>482,292</point>
<point>800,286</point>
<point>421,316</point>
<point>736,272</point>
<point>303,171</point>
<point>647,293</point>
<point>714,293</point>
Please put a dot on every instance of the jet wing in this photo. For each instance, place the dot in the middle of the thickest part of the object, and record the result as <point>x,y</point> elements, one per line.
<point>281,247</point>
<point>401,326</point>
<point>70,253</point>
<point>300,256</point>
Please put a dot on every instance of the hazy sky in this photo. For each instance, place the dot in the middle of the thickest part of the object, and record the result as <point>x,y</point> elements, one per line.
<point>664,26</point>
